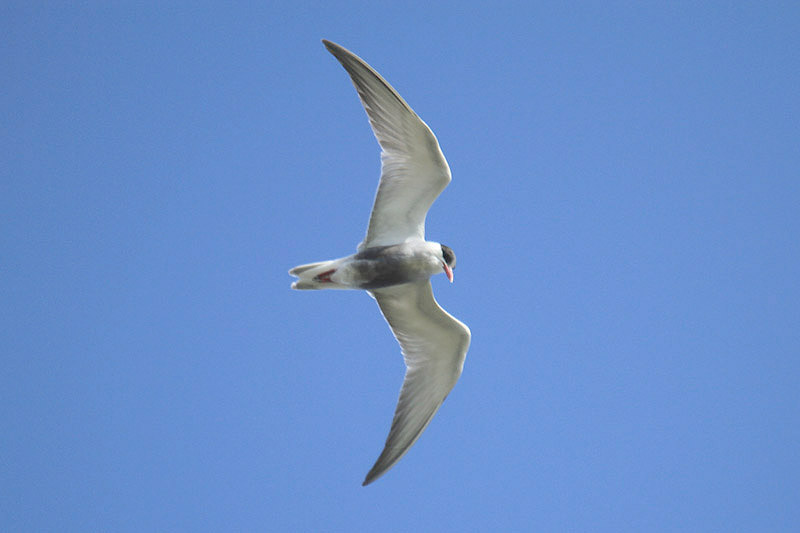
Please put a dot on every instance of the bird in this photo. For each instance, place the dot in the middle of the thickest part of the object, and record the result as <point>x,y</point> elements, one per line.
<point>394,262</point>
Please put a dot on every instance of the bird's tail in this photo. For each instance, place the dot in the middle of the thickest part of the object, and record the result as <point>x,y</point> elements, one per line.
<point>316,276</point>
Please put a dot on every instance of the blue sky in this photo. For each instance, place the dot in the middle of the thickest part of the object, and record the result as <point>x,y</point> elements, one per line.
<point>625,207</point>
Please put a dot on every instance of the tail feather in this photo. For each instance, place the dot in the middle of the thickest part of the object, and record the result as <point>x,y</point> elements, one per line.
<point>316,276</point>
<point>298,270</point>
<point>306,285</point>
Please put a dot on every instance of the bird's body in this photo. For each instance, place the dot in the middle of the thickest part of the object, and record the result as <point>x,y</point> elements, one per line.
<point>373,268</point>
<point>394,262</point>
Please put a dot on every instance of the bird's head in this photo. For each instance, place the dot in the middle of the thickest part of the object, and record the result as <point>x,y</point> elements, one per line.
<point>448,261</point>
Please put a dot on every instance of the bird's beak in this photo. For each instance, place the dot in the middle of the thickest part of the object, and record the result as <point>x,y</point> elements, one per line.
<point>448,271</point>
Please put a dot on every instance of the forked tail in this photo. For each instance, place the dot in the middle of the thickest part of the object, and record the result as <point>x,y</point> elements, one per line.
<point>316,276</point>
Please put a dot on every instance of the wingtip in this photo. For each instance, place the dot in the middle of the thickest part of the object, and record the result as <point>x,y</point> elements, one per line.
<point>330,45</point>
<point>381,466</point>
<point>337,50</point>
<point>371,476</point>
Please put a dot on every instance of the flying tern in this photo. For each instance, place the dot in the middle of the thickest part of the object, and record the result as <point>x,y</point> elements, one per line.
<point>394,262</point>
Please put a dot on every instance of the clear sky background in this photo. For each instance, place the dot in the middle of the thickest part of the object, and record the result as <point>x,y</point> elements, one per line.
<point>625,208</point>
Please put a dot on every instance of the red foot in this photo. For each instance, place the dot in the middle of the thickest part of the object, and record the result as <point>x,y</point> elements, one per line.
<point>325,277</point>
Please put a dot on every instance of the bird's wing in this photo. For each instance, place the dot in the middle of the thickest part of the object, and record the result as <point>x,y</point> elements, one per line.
<point>413,168</point>
<point>434,346</point>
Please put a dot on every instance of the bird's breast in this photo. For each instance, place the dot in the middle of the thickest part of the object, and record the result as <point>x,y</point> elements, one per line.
<point>384,266</point>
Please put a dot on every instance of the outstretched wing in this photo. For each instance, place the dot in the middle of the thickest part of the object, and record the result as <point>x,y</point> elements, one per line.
<point>434,346</point>
<point>413,171</point>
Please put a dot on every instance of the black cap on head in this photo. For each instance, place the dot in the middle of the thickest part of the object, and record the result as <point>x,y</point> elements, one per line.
<point>449,256</point>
